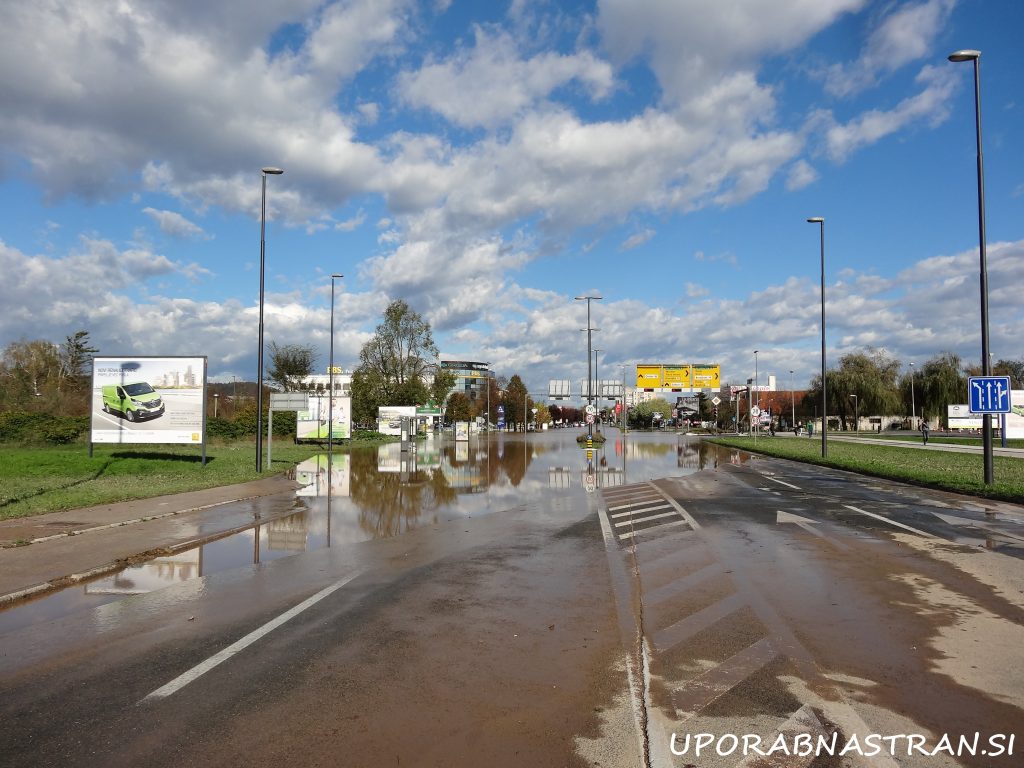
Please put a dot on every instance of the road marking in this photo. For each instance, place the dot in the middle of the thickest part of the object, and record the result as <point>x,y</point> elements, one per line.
<point>682,584</point>
<point>653,529</point>
<point>891,522</point>
<point>783,482</point>
<point>640,502</point>
<point>647,519</point>
<point>696,622</point>
<point>694,695</point>
<point>201,669</point>
<point>969,523</point>
<point>808,525</point>
<point>650,507</point>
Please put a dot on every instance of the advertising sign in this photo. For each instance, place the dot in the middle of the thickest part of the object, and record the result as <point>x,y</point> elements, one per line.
<point>1015,418</point>
<point>312,422</point>
<point>148,399</point>
<point>648,376</point>
<point>461,430</point>
<point>960,417</point>
<point>389,418</point>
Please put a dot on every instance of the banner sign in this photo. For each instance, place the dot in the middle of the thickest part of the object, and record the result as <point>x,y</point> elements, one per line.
<point>312,422</point>
<point>148,400</point>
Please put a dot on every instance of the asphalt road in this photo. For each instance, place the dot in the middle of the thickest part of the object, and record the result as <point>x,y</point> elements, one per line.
<point>731,597</point>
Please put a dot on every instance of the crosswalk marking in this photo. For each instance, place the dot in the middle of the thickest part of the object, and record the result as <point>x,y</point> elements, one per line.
<point>696,622</point>
<point>647,519</point>
<point>709,686</point>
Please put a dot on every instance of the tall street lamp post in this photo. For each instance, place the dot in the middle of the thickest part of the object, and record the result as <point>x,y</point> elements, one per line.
<point>588,299</point>
<point>824,396</point>
<point>986,363</point>
<point>913,409</point>
<point>597,381</point>
<point>792,398</point>
<point>757,385</point>
<point>268,171</point>
<point>330,377</point>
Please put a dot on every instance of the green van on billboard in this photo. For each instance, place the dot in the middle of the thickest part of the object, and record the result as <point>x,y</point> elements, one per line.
<point>134,401</point>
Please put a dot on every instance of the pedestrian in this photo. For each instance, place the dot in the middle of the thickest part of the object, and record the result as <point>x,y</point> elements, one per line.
<point>924,432</point>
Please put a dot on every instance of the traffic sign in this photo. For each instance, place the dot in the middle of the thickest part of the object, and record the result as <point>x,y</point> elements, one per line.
<point>766,418</point>
<point>590,418</point>
<point>590,410</point>
<point>755,411</point>
<point>716,400</point>
<point>989,394</point>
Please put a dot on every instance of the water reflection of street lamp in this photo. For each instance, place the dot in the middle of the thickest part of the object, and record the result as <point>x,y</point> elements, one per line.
<point>330,378</point>
<point>259,363</point>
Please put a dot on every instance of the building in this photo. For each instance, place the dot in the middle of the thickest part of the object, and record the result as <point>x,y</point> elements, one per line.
<point>470,378</point>
<point>321,382</point>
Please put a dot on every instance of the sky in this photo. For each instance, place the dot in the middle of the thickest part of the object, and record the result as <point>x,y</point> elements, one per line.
<point>489,162</point>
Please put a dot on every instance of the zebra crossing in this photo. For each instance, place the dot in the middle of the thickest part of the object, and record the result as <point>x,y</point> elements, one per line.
<point>634,511</point>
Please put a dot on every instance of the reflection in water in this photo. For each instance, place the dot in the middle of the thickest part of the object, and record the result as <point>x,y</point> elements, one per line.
<point>381,492</point>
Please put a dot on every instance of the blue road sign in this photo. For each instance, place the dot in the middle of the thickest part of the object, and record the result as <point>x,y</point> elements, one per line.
<point>989,394</point>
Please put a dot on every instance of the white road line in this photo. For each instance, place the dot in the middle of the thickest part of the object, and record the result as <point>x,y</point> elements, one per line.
<point>891,522</point>
<point>657,528</point>
<point>624,523</point>
<point>636,503</point>
<point>641,510</point>
<point>783,482</point>
<point>201,669</point>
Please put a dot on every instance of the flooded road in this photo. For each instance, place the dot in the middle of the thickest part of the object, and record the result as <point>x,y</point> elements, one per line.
<point>505,603</point>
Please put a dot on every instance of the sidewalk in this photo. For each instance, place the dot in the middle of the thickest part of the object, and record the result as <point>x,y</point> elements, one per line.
<point>46,552</point>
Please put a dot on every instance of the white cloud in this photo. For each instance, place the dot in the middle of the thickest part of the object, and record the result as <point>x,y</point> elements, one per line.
<point>801,174</point>
<point>175,224</point>
<point>491,83</point>
<point>636,240</point>
<point>906,34</point>
<point>931,105</point>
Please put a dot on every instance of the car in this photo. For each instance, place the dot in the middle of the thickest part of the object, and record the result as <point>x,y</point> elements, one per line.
<point>134,401</point>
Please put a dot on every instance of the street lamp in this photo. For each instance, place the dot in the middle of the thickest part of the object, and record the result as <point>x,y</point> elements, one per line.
<point>824,397</point>
<point>268,171</point>
<point>986,363</point>
<point>597,381</point>
<point>757,386</point>
<point>913,409</point>
<point>330,376</point>
<point>216,398</point>
<point>792,398</point>
<point>856,413</point>
<point>588,298</point>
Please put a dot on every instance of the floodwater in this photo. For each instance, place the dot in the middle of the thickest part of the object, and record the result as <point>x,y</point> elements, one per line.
<point>382,491</point>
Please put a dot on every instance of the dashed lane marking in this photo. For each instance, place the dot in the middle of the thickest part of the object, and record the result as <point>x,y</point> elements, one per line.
<point>783,482</point>
<point>891,521</point>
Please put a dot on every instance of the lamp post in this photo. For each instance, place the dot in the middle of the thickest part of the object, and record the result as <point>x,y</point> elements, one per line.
<point>588,298</point>
<point>757,386</point>
<point>597,381</point>
<point>330,376</point>
<point>913,409</point>
<point>856,413</point>
<point>623,367</point>
<point>216,398</point>
<point>986,363</point>
<point>820,221</point>
<point>269,171</point>
<point>792,398</point>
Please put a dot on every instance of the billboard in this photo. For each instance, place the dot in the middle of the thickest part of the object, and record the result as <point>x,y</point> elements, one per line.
<point>676,377</point>
<point>311,424</point>
<point>148,400</point>
<point>389,418</point>
<point>559,389</point>
<point>707,376</point>
<point>960,416</point>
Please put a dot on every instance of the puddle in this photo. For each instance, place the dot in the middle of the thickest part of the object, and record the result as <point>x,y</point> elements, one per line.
<point>381,492</point>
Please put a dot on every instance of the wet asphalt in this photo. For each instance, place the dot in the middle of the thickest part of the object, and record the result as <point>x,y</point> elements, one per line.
<point>478,605</point>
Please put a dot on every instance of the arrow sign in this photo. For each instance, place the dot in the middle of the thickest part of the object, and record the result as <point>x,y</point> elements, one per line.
<point>989,394</point>
<point>967,522</point>
<point>808,525</point>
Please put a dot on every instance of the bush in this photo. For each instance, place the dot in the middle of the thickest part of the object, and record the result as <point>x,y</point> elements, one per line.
<point>22,426</point>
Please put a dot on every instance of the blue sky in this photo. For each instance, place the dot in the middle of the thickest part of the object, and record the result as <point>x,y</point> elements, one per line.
<point>488,162</point>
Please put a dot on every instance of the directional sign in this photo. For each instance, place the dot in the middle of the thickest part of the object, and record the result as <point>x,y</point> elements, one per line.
<point>766,418</point>
<point>989,394</point>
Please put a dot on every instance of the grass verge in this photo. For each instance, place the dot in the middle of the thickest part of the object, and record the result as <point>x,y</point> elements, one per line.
<point>39,479</point>
<point>958,472</point>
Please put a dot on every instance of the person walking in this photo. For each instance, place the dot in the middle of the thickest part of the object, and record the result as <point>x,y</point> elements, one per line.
<point>924,432</point>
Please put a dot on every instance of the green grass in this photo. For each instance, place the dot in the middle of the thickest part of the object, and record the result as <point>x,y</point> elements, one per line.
<point>959,472</point>
<point>39,479</point>
<point>915,437</point>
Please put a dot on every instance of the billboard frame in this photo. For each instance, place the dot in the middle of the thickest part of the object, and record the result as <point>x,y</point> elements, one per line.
<point>100,360</point>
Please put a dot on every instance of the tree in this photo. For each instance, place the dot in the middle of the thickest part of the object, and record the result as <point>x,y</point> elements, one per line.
<point>942,383</point>
<point>515,401</point>
<point>30,369</point>
<point>289,364</point>
<point>75,354</point>
<point>442,385</point>
<point>459,407</point>
<point>395,361</point>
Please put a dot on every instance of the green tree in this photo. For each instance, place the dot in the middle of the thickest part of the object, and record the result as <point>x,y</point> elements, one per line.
<point>75,354</point>
<point>459,407</point>
<point>393,364</point>
<point>30,369</point>
<point>515,401</point>
<point>942,384</point>
<point>441,385</point>
<point>289,364</point>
